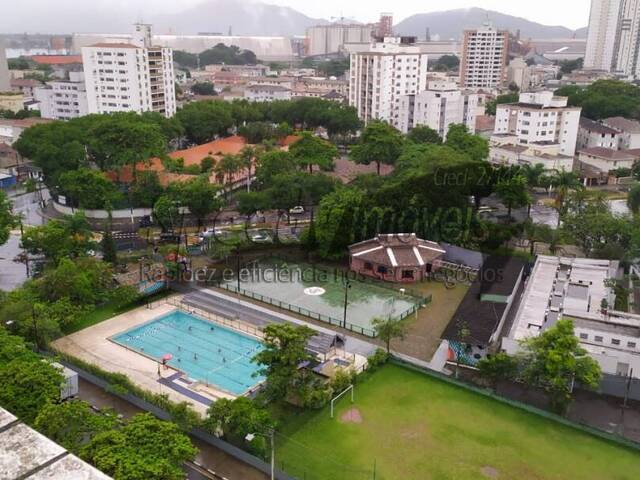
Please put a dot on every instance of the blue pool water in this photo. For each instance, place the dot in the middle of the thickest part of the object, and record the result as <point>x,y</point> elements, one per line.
<point>203,350</point>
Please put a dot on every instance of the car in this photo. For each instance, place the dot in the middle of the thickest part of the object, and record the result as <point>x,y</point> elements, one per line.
<point>211,232</point>
<point>298,210</point>
<point>260,238</point>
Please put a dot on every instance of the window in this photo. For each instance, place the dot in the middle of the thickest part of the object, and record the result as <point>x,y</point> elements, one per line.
<point>615,341</point>
<point>584,336</point>
<point>598,338</point>
<point>407,274</point>
<point>631,344</point>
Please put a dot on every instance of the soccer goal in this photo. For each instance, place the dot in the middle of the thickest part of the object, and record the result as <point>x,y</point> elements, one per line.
<point>337,397</point>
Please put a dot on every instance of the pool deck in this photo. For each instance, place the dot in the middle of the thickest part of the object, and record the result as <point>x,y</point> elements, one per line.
<point>94,346</point>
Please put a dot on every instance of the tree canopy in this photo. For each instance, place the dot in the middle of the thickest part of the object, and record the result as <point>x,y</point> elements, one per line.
<point>604,99</point>
<point>380,143</point>
<point>310,151</point>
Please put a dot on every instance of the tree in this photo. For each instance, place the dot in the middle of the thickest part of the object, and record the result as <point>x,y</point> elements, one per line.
<point>7,219</point>
<point>491,106</point>
<point>564,182</point>
<point>143,448</point>
<point>499,366</point>
<point>222,54</point>
<point>513,193</point>
<point>446,63</point>
<point>89,189</point>
<point>200,196</point>
<point>604,99</point>
<point>554,361</point>
<point>27,382</point>
<point>460,139</point>
<point>227,167</point>
<point>334,225</point>
<point>380,143</point>
<point>166,212</point>
<point>237,418</point>
<point>204,121</point>
<point>203,88</point>
<point>271,164</point>
<point>633,199</point>
<point>284,350</point>
<point>424,134</point>
<point>146,189</point>
<point>69,236</point>
<point>310,150</point>
<point>389,328</point>
<point>73,423</point>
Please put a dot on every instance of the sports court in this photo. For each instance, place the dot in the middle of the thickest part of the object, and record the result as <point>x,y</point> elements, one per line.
<point>204,351</point>
<point>320,293</point>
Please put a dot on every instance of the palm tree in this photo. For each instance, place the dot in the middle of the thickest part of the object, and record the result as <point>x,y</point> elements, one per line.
<point>246,159</point>
<point>226,168</point>
<point>564,182</point>
<point>535,176</point>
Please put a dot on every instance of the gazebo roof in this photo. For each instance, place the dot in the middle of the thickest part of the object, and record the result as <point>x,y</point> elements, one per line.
<point>397,250</point>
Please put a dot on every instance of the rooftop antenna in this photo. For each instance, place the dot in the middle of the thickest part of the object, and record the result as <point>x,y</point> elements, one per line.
<point>230,31</point>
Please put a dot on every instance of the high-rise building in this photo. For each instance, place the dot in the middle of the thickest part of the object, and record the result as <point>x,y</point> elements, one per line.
<point>601,38</point>
<point>63,99</point>
<point>382,75</point>
<point>613,42</point>
<point>5,82</point>
<point>484,58</point>
<point>135,76</point>
<point>438,107</point>
<point>384,27</point>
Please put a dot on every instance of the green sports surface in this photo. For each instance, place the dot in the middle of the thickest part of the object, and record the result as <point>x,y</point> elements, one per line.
<point>410,426</point>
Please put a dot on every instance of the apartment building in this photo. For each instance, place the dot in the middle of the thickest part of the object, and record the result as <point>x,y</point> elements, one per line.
<point>594,134</point>
<point>629,131</point>
<point>136,76</point>
<point>266,93</point>
<point>382,75</point>
<point>539,119</point>
<point>63,99</point>
<point>484,58</point>
<point>613,42</point>
<point>438,107</point>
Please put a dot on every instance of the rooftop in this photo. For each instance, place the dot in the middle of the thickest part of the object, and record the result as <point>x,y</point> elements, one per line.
<point>113,45</point>
<point>623,124</point>
<point>27,454</point>
<point>397,250</point>
<point>610,154</point>
<point>56,59</point>
<point>597,127</point>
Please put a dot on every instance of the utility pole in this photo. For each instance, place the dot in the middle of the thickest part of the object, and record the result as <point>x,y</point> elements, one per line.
<point>347,286</point>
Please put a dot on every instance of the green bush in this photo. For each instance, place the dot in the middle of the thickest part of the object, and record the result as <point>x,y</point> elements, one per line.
<point>379,358</point>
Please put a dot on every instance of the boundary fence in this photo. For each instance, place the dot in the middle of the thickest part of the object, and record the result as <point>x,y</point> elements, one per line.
<point>522,406</point>
<point>162,414</point>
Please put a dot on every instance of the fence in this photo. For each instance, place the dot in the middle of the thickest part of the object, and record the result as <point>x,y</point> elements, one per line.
<point>162,414</point>
<point>302,311</point>
<point>522,406</point>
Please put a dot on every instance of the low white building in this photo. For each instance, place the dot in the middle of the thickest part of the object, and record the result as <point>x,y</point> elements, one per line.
<point>629,136</point>
<point>575,288</point>
<point>595,164</point>
<point>63,99</point>
<point>266,93</point>
<point>512,154</point>
<point>519,74</point>
<point>594,134</point>
<point>438,107</point>
<point>540,119</point>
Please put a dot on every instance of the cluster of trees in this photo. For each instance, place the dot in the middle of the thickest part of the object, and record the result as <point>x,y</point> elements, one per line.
<point>217,55</point>
<point>139,448</point>
<point>203,88</point>
<point>604,99</point>
<point>446,63</point>
<point>491,106</point>
<point>72,284</point>
<point>553,361</point>
<point>198,195</point>
<point>19,115</point>
<point>329,68</point>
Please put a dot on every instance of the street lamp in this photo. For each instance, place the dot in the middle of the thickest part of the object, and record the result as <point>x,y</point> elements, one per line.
<point>250,436</point>
<point>347,286</point>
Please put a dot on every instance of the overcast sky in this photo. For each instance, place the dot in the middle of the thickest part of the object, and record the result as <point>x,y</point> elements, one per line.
<point>569,13</point>
<point>18,15</point>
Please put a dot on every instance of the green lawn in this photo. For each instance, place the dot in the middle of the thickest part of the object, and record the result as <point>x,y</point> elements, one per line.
<point>416,427</point>
<point>108,310</point>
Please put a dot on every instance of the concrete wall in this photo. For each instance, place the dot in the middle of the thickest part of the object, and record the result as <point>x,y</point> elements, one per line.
<point>103,214</point>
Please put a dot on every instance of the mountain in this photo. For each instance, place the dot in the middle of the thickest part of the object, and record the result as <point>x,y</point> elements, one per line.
<point>450,24</point>
<point>245,17</point>
<point>241,16</point>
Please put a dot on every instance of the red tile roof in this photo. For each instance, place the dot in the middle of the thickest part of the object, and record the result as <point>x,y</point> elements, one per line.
<point>56,59</point>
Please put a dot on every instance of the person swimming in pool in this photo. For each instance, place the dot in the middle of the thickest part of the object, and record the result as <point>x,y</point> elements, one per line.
<point>195,356</point>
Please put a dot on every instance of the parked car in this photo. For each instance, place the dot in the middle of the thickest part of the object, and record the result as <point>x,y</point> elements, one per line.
<point>298,210</point>
<point>261,238</point>
<point>211,232</point>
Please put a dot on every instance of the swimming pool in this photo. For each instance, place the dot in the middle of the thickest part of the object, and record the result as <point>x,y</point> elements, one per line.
<point>203,350</point>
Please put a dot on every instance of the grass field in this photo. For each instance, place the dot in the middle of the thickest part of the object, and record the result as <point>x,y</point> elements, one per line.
<point>415,427</point>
